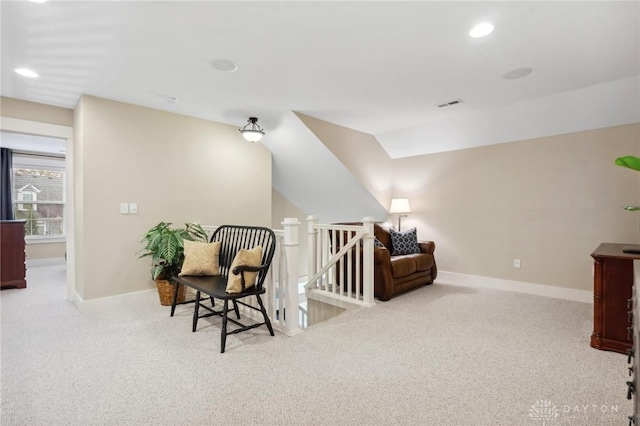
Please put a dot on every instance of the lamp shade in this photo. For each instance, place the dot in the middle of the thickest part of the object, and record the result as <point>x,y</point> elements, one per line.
<point>252,135</point>
<point>252,131</point>
<point>400,205</point>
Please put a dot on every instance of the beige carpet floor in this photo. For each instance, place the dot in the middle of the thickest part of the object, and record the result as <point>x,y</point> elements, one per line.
<point>440,355</point>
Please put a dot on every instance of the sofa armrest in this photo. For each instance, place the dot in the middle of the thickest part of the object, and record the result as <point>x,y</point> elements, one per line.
<point>382,278</point>
<point>381,255</point>
<point>427,247</point>
<point>430,247</point>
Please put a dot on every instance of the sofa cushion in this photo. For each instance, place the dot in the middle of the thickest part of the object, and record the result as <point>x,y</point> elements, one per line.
<point>404,242</point>
<point>424,261</point>
<point>401,266</point>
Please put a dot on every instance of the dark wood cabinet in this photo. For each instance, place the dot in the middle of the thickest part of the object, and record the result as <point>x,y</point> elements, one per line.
<point>12,256</point>
<point>632,359</point>
<point>612,283</point>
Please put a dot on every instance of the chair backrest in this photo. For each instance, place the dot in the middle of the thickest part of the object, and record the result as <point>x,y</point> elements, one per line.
<point>236,237</point>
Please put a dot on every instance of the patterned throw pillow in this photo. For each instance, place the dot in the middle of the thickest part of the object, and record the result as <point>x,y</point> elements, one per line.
<point>404,242</point>
<point>244,257</point>
<point>200,258</point>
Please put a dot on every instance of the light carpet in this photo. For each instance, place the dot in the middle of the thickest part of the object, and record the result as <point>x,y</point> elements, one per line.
<point>439,355</point>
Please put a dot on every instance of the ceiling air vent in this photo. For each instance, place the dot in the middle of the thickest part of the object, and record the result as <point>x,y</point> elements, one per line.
<point>453,102</point>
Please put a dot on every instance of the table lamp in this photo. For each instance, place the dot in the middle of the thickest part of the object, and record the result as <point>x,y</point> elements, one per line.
<point>400,206</point>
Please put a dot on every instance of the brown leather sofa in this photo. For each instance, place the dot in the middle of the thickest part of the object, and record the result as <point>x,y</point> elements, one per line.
<point>396,274</point>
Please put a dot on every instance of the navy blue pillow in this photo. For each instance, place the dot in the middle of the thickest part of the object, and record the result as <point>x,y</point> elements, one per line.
<point>404,242</point>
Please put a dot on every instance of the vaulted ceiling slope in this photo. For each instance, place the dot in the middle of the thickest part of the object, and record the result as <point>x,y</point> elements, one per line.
<point>376,67</point>
<point>309,175</point>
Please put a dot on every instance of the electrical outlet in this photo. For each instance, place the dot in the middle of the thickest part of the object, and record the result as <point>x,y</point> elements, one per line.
<point>124,208</point>
<point>516,263</point>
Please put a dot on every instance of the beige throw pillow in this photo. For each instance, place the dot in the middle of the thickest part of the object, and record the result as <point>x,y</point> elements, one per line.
<point>201,258</point>
<point>244,257</point>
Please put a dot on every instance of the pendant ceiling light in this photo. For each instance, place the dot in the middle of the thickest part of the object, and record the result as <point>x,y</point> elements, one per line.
<point>251,131</point>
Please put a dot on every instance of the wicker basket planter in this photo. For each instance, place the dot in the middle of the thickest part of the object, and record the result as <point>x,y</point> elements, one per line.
<point>165,291</point>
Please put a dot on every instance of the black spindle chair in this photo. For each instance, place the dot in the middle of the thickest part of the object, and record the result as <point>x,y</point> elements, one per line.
<point>232,239</point>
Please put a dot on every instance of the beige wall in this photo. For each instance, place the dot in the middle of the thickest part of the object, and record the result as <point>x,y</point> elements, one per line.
<point>547,201</point>
<point>32,111</point>
<point>359,152</point>
<point>281,207</point>
<point>45,250</point>
<point>41,113</point>
<point>176,168</point>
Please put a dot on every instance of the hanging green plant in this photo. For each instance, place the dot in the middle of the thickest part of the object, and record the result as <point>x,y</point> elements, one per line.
<point>633,163</point>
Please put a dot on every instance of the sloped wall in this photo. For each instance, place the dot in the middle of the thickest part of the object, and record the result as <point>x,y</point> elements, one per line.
<point>359,152</point>
<point>307,173</point>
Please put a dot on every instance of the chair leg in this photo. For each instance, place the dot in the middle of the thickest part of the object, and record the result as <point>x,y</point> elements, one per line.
<point>195,312</point>
<point>175,298</point>
<point>235,308</point>
<point>223,333</point>
<point>264,314</point>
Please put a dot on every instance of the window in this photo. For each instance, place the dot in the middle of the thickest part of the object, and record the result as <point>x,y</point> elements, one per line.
<point>39,195</point>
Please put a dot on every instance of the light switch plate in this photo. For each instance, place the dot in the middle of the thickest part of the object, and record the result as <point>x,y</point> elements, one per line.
<point>133,208</point>
<point>124,208</point>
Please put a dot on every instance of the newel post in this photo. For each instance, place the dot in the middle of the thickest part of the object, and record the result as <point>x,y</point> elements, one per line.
<point>291,324</point>
<point>312,245</point>
<point>367,262</point>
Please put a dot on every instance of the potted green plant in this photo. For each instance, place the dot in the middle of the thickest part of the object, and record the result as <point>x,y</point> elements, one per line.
<point>165,245</point>
<point>633,163</point>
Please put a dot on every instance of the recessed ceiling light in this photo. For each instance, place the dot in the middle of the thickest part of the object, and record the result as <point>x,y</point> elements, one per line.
<point>224,65</point>
<point>481,30</point>
<point>172,99</point>
<point>517,73</point>
<point>26,72</point>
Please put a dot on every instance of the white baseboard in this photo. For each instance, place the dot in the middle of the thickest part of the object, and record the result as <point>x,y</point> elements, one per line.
<point>476,281</point>
<point>49,261</point>
<point>105,304</point>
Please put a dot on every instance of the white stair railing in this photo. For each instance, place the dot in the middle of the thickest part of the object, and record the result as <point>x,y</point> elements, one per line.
<point>337,275</point>
<point>341,263</point>
<point>282,282</point>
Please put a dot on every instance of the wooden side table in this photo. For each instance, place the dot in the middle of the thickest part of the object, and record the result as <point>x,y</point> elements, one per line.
<point>612,283</point>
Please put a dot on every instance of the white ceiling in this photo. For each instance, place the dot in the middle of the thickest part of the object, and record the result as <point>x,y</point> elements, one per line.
<point>378,67</point>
